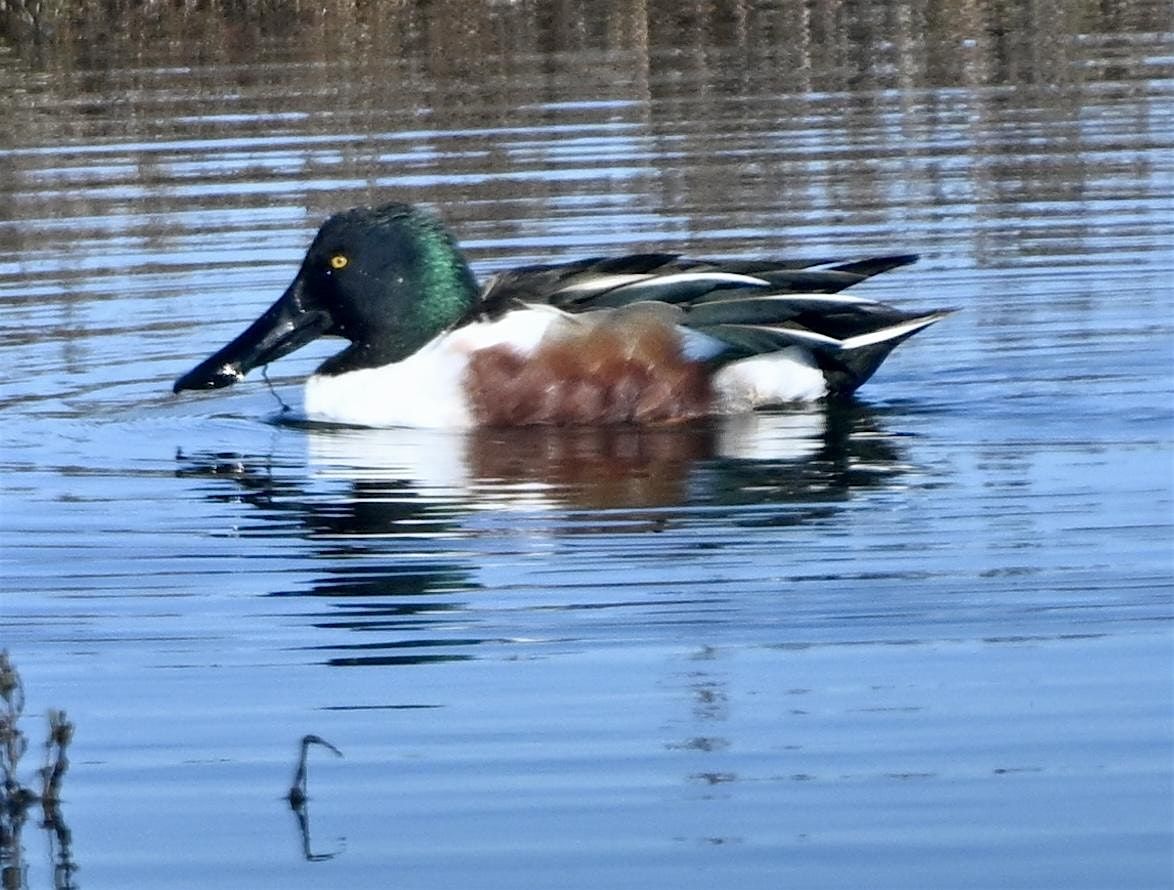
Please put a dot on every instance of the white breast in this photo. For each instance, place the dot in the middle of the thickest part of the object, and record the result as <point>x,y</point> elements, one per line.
<point>425,389</point>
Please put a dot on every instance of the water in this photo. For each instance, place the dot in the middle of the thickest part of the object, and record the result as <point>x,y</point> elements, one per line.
<point>920,640</point>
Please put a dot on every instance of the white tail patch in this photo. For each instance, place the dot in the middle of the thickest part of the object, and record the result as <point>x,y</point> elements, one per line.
<point>778,378</point>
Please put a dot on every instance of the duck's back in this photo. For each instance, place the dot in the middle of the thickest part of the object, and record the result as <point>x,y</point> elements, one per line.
<point>730,311</point>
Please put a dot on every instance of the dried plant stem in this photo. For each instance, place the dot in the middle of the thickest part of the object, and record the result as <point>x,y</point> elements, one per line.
<point>56,761</point>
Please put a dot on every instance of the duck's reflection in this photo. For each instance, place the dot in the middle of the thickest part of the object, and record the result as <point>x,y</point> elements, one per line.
<point>428,482</point>
<point>403,528</point>
<point>789,457</point>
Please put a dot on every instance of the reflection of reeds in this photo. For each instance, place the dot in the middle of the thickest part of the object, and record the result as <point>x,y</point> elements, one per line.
<point>729,118</point>
<point>56,763</point>
<point>13,743</point>
<point>16,798</point>
<point>459,34</point>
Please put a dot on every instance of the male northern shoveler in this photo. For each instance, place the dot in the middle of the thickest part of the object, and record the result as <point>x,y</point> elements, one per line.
<point>649,338</point>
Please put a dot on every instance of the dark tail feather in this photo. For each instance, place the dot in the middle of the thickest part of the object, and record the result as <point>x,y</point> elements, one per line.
<point>848,368</point>
<point>877,264</point>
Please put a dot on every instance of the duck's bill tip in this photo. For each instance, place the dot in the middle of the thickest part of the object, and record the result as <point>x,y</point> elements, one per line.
<point>202,377</point>
<point>283,327</point>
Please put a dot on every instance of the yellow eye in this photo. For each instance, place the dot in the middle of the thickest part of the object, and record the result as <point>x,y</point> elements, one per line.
<point>338,261</point>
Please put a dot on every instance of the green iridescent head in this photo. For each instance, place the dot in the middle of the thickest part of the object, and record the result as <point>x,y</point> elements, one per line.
<point>388,279</point>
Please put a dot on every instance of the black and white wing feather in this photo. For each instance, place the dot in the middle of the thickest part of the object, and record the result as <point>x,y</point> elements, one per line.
<point>734,309</point>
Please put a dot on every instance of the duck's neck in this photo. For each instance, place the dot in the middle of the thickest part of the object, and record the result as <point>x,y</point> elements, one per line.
<point>412,332</point>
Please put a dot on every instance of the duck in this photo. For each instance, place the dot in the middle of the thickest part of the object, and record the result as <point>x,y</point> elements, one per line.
<point>645,339</point>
